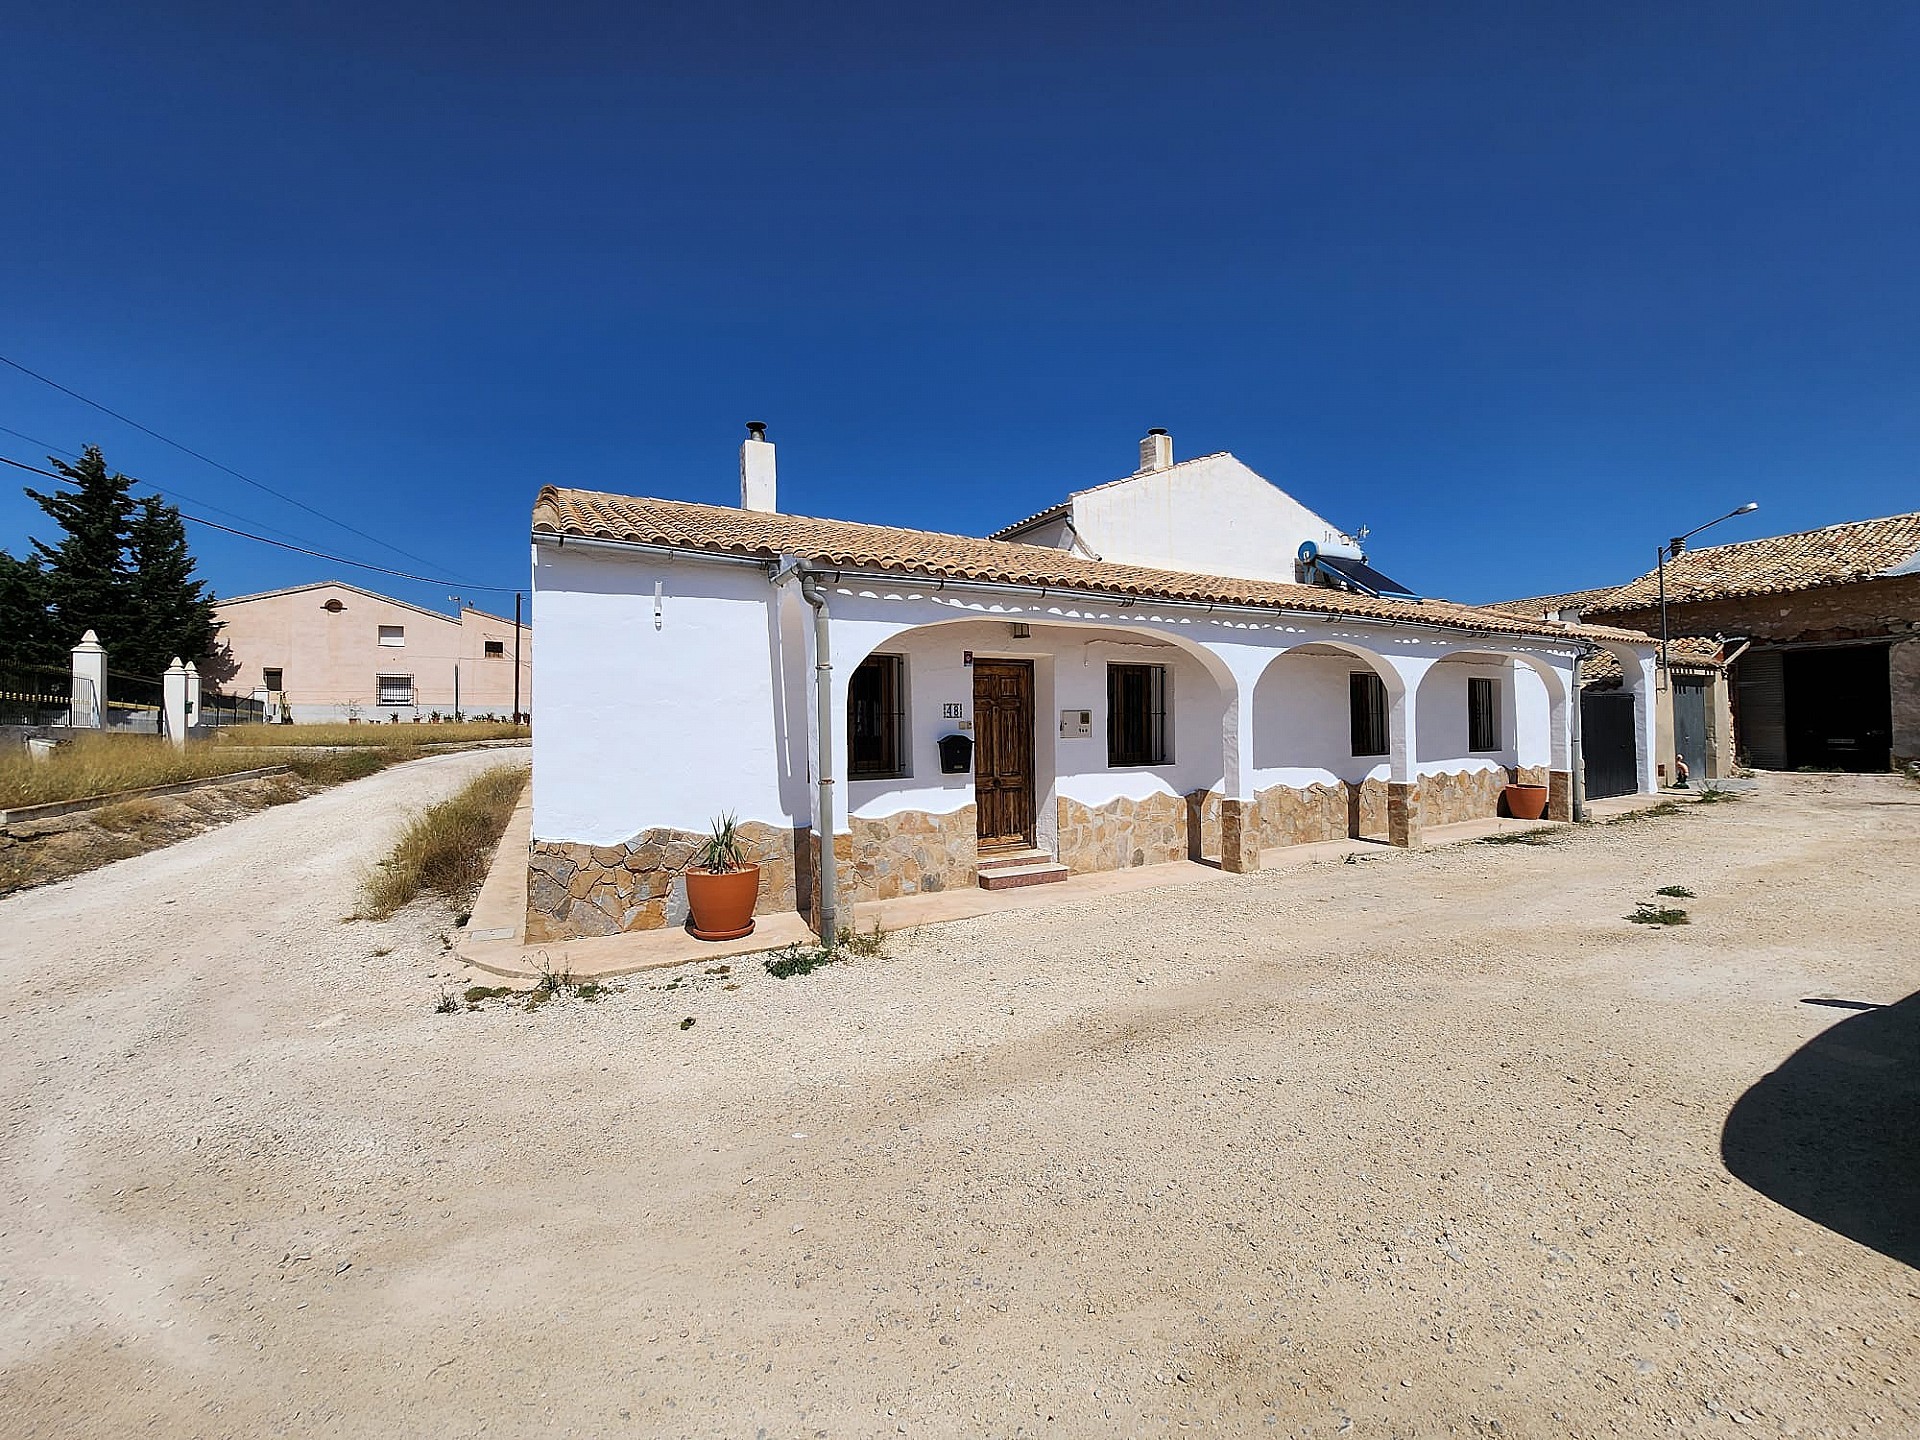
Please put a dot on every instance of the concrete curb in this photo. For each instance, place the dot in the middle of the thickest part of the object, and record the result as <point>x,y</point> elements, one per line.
<point>21,814</point>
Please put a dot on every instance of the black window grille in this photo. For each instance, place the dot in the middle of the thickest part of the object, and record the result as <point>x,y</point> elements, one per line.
<point>1137,715</point>
<point>1483,715</point>
<point>394,689</point>
<point>1368,695</point>
<point>496,649</point>
<point>876,719</point>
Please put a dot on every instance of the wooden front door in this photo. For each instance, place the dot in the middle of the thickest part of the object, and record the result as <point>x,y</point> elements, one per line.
<point>1003,751</point>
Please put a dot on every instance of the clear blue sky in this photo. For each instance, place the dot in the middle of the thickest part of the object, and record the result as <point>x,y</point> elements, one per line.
<point>1522,291</point>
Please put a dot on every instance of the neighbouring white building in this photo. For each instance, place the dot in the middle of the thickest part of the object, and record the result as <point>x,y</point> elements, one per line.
<point>1184,663</point>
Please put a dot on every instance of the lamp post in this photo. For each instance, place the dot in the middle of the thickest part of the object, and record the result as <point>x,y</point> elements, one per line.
<point>1673,549</point>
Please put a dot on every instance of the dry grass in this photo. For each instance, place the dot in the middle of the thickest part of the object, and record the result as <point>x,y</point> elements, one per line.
<point>108,764</point>
<point>371,734</point>
<point>448,846</point>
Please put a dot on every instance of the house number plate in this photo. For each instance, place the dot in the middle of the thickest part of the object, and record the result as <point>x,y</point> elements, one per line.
<point>950,712</point>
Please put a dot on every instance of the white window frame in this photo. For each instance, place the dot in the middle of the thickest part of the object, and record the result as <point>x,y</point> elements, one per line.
<point>381,682</point>
<point>393,637</point>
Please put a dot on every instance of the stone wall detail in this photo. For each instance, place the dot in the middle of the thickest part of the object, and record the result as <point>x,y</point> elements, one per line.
<point>1404,816</point>
<point>1304,816</point>
<point>1560,795</point>
<point>1123,833</point>
<point>576,891</point>
<point>912,853</point>
<point>1240,836</point>
<point>1452,797</point>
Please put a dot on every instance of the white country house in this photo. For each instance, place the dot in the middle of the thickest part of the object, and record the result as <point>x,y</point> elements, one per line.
<point>1183,663</point>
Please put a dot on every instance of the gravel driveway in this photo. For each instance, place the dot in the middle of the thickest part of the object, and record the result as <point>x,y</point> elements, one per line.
<point>1426,1144</point>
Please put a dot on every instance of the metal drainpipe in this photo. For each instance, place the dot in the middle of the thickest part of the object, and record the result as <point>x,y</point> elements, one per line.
<point>823,766</point>
<point>1579,756</point>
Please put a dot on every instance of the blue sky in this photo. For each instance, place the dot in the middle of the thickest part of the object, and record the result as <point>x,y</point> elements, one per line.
<point>1523,290</point>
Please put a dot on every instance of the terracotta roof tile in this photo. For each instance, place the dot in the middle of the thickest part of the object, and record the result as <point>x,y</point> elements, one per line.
<point>1835,555</point>
<point>1685,653</point>
<point>721,529</point>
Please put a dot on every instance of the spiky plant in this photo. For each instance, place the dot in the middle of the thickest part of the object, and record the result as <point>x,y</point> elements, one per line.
<point>723,850</point>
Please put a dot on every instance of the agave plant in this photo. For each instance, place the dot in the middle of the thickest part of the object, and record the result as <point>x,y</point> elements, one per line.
<point>723,850</point>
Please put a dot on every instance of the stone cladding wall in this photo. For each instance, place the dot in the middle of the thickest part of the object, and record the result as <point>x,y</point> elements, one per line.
<point>913,853</point>
<point>1291,816</point>
<point>575,891</point>
<point>1451,797</point>
<point>1123,833</point>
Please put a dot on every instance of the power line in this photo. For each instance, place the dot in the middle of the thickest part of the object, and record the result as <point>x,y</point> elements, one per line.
<point>209,460</point>
<point>163,489</point>
<point>302,549</point>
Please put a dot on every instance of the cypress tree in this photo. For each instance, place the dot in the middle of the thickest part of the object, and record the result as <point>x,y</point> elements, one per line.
<point>24,633</point>
<point>88,583</point>
<point>173,615</point>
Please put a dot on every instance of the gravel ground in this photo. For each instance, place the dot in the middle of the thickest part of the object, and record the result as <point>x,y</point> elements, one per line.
<point>1428,1144</point>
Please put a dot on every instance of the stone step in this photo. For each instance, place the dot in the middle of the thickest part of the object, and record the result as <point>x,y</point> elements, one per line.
<point>1011,877</point>
<point>1005,859</point>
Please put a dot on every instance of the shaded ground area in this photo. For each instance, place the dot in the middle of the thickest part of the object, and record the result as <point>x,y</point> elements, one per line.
<point>1419,1145</point>
<point>1835,1132</point>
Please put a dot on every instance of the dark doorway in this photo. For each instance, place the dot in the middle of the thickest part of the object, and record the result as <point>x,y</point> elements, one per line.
<point>1839,708</point>
<point>1690,724</point>
<point>1003,752</point>
<point>1606,743</point>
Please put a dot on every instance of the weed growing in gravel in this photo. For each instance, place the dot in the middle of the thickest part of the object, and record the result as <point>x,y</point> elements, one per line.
<point>449,1003</point>
<point>590,990</point>
<point>1543,835</point>
<point>476,993</point>
<point>1647,913</point>
<point>1675,892</point>
<point>687,1024</point>
<point>798,959</point>
<point>1657,812</point>
<point>870,946</point>
<point>1714,795</point>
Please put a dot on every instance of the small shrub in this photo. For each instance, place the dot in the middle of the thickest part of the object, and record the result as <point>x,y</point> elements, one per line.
<point>1714,795</point>
<point>1675,892</point>
<point>448,846</point>
<point>552,982</point>
<point>449,1003</point>
<point>1647,913</point>
<point>476,993</point>
<point>590,990</point>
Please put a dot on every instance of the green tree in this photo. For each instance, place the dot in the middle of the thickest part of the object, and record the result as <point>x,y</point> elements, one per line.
<point>89,585</point>
<point>122,569</point>
<point>25,637</point>
<point>173,615</point>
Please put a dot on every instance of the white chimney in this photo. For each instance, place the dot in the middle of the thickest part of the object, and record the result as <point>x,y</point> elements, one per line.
<point>1156,451</point>
<point>756,470</point>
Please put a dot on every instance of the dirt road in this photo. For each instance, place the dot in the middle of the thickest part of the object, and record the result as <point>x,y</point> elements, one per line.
<point>1428,1144</point>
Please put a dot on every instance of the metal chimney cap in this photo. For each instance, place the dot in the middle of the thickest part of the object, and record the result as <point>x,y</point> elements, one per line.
<point>756,429</point>
<point>1156,430</point>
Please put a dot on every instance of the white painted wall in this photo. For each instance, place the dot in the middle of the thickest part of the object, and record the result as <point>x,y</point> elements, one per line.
<point>1441,707</point>
<point>658,724</point>
<point>1302,724</point>
<point>1212,515</point>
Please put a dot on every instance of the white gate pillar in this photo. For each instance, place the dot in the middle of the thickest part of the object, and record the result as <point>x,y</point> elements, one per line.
<point>89,683</point>
<point>193,694</point>
<point>173,697</point>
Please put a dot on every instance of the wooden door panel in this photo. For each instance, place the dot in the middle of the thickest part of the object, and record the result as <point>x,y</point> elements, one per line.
<point>1003,751</point>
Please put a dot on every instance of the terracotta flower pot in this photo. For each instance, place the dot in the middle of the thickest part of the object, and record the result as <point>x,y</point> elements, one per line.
<point>722,904</point>
<point>1526,802</point>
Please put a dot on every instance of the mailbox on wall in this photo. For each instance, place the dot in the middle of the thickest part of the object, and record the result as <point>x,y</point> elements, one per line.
<point>956,754</point>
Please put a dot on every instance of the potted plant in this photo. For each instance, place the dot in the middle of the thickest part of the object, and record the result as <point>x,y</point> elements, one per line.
<point>1525,802</point>
<point>722,884</point>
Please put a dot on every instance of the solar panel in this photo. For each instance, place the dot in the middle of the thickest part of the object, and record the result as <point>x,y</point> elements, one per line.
<point>1361,576</point>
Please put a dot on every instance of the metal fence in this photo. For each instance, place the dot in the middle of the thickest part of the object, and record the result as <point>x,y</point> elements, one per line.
<point>35,694</point>
<point>220,711</point>
<point>134,702</point>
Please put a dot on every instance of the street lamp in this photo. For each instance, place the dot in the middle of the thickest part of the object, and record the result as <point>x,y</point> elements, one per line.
<point>1672,550</point>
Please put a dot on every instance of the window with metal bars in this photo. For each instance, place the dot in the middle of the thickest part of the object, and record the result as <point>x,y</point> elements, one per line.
<point>1137,715</point>
<point>394,689</point>
<point>1483,714</point>
<point>1367,695</point>
<point>877,719</point>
